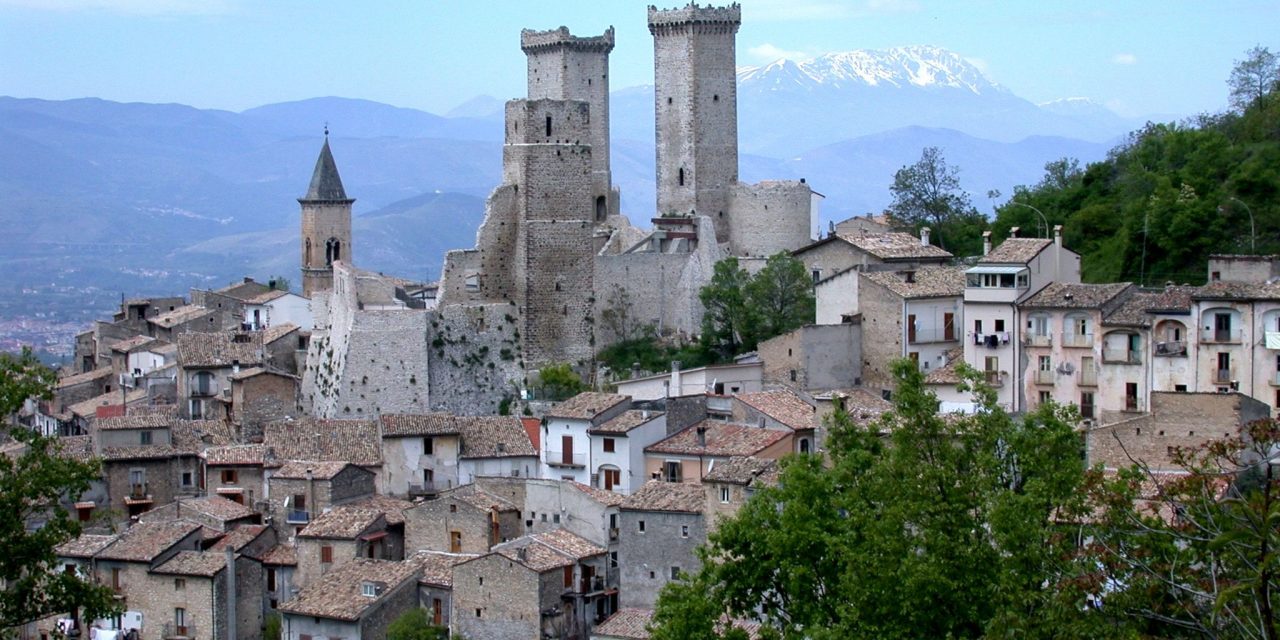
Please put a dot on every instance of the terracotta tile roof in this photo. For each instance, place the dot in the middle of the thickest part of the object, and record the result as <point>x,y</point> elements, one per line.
<point>392,508</point>
<point>243,290</point>
<point>282,555</point>
<point>81,378</point>
<point>437,566</point>
<point>784,406</point>
<point>1174,299</point>
<point>568,543</point>
<point>89,408</point>
<point>1132,310</point>
<point>1224,290</point>
<point>183,314</point>
<point>194,563</point>
<point>217,507</point>
<point>608,498</point>
<point>337,594</point>
<point>631,624</point>
<point>240,536</point>
<point>219,349</point>
<point>266,296</point>
<point>925,282</point>
<point>276,332</point>
<point>478,498</point>
<point>425,424</point>
<point>721,439</point>
<point>245,374</point>
<point>495,437</point>
<point>143,541</point>
<point>144,452</point>
<point>587,405</point>
<point>235,454</point>
<point>343,522</point>
<point>149,420</point>
<point>864,405</point>
<point>194,435</point>
<point>894,245</point>
<point>1061,295</point>
<point>355,441</point>
<point>76,447</point>
<point>656,495</point>
<point>625,421</point>
<point>738,470</point>
<point>536,557</point>
<point>320,469</point>
<point>946,374</point>
<point>1016,251</point>
<point>86,545</point>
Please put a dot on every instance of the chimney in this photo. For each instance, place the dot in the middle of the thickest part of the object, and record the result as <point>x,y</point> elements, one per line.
<point>702,436</point>
<point>247,279</point>
<point>1057,235</point>
<point>831,227</point>
<point>522,554</point>
<point>924,236</point>
<point>635,369</point>
<point>1013,231</point>
<point>231,594</point>
<point>673,389</point>
<point>986,242</point>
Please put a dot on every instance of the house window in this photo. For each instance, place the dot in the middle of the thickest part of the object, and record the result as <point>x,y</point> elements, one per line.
<point>180,621</point>
<point>455,541</point>
<point>326,554</point>
<point>640,526</point>
<point>186,478</point>
<point>608,445</point>
<point>613,559</point>
<point>428,446</point>
<point>555,518</point>
<point>1086,404</point>
<point>684,531</point>
<point>368,590</point>
<point>271,579</point>
<point>672,471</point>
<point>1045,397</point>
<point>179,584</point>
<point>453,508</point>
<point>675,573</point>
<point>145,437</point>
<point>568,576</point>
<point>229,476</point>
<point>1045,363</point>
<point>999,325</point>
<point>1180,388</point>
<point>1131,396</point>
<point>724,495</point>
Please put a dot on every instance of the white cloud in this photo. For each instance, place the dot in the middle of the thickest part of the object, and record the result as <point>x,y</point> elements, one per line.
<point>768,53</point>
<point>1124,58</point>
<point>132,7</point>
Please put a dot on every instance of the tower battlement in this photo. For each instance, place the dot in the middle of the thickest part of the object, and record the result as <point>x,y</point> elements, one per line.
<point>694,16</point>
<point>532,41</point>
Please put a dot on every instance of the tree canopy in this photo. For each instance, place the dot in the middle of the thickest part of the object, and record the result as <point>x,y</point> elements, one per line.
<point>928,193</point>
<point>741,310</point>
<point>1254,78</point>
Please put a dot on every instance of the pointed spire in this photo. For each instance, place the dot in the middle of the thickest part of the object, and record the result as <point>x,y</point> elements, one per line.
<point>326,184</point>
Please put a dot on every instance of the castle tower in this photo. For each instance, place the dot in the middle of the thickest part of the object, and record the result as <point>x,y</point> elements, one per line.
<point>696,104</point>
<point>326,224</point>
<point>567,67</point>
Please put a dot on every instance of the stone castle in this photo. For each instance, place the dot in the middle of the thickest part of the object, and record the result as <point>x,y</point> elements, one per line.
<point>554,256</point>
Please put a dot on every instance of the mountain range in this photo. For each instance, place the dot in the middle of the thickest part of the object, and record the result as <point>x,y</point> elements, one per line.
<point>151,198</point>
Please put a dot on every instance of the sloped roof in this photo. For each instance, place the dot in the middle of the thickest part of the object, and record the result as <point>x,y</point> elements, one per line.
<point>148,420</point>
<point>478,498</point>
<point>656,495</point>
<point>894,245</point>
<point>925,282</point>
<point>337,594</point>
<point>587,405</point>
<point>739,470</point>
<point>1227,290</point>
<point>355,441</point>
<point>1133,310</point>
<point>215,507</point>
<point>138,343</point>
<point>86,545</point>
<point>437,566</point>
<point>236,454</point>
<point>342,522</point>
<point>495,437</point>
<point>784,406</point>
<point>424,424</point>
<point>625,421</point>
<point>1063,295</point>
<point>81,378</point>
<point>239,537</point>
<point>143,541</point>
<point>1016,251</point>
<point>326,184</point>
<point>607,498</point>
<point>631,624</point>
<point>183,314</point>
<point>721,439</point>
<point>319,469</point>
<point>281,555</point>
<point>219,349</point>
<point>89,408</point>
<point>278,331</point>
<point>392,508</point>
<point>194,563</point>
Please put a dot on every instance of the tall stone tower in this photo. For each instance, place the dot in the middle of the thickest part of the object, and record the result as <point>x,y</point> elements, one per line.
<point>567,67</point>
<point>326,224</point>
<point>696,104</point>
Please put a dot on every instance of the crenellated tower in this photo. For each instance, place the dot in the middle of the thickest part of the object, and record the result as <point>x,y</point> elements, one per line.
<point>563,66</point>
<point>696,105</point>
<point>326,224</point>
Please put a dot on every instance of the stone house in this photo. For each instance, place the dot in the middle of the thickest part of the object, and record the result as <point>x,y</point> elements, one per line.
<point>910,314</point>
<point>73,389</point>
<point>189,596</point>
<point>866,251</point>
<point>585,511</point>
<point>338,536</point>
<point>206,363</point>
<point>731,483</point>
<point>235,472</point>
<point>466,519</point>
<point>688,455</point>
<point>617,448</point>
<point>435,585</point>
<point>779,410</point>
<point>1003,278</point>
<point>496,446</point>
<point>722,379</point>
<point>553,584</point>
<point>214,512</point>
<point>566,445</point>
<point>135,429</point>
<point>259,396</point>
<point>662,526</point>
<point>354,441</point>
<point>299,491</point>
<point>185,319</point>
<point>278,566</point>
<point>228,303</point>
<point>140,477</point>
<point>356,600</point>
<point>814,357</point>
<point>125,564</point>
<point>1177,419</point>
<point>428,453</point>
<point>276,307</point>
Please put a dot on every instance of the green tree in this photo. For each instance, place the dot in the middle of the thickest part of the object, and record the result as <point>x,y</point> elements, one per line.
<point>928,193</point>
<point>920,526</point>
<point>726,321</point>
<point>415,625</point>
<point>1253,78</point>
<point>279,283</point>
<point>33,486</point>
<point>559,381</point>
<point>781,297</point>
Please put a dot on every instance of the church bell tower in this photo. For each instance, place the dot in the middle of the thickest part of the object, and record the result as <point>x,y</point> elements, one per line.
<point>326,224</point>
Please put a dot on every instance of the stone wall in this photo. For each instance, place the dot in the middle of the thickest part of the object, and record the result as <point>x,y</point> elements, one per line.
<point>322,220</point>
<point>428,526</point>
<point>495,598</point>
<point>645,559</point>
<point>769,217</point>
<point>1176,420</point>
<point>401,599</point>
<point>476,357</point>
<point>881,333</point>
<point>260,399</point>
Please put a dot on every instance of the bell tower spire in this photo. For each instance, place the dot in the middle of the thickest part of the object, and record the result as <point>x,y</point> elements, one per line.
<point>326,223</point>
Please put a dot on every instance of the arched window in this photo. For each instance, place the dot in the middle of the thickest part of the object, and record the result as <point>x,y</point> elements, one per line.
<point>601,208</point>
<point>804,445</point>
<point>332,251</point>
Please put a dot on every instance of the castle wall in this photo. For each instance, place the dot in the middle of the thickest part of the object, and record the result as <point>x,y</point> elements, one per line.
<point>475,357</point>
<point>769,217</point>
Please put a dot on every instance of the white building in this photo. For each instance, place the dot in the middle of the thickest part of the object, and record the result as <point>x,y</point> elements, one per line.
<point>617,449</point>
<point>565,453</point>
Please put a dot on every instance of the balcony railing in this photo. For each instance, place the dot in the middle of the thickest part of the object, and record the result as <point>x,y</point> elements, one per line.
<point>1038,340</point>
<point>994,378</point>
<point>1077,339</point>
<point>203,391</point>
<point>138,490</point>
<point>566,459</point>
<point>1044,377</point>
<point>178,632</point>
<point>1121,356</point>
<point>1222,376</point>
<point>297,517</point>
<point>1220,336</point>
<point>423,488</point>
<point>935,334</point>
<point>1171,348</point>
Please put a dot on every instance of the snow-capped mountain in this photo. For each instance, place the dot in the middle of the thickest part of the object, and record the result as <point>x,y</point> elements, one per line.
<point>900,67</point>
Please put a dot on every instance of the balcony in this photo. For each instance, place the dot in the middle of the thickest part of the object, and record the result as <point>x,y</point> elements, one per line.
<point>178,632</point>
<point>1222,376</point>
<point>297,517</point>
<point>138,491</point>
<point>203,391</point>
<point>1037,339</point>
<point>1220,336</point>
<point>423,488</point>
<point>1044,377</point>
<point>566,459</point>
<point>1121,356</point>
<point>931,335</point>
<point>1077,340</point>
<point>994,378</point>
<point>991,340</point>
<point>613,534</point>
<point>1171,348</point>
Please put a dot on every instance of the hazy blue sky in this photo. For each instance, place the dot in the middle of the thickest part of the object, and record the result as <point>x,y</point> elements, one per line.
<point>1168,57</point>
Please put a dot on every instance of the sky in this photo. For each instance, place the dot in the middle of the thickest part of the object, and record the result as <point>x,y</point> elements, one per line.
<point>1138,57</point>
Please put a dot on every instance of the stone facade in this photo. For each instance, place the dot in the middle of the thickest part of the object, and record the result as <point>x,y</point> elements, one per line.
<point>326,225</point>
<point>349,484</point>
<point>769,217</point>
<point>1182,419</point>
<point>498,598</point>
<point>453,524</point>
<point>815,357</point>
<point>648,557</point>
